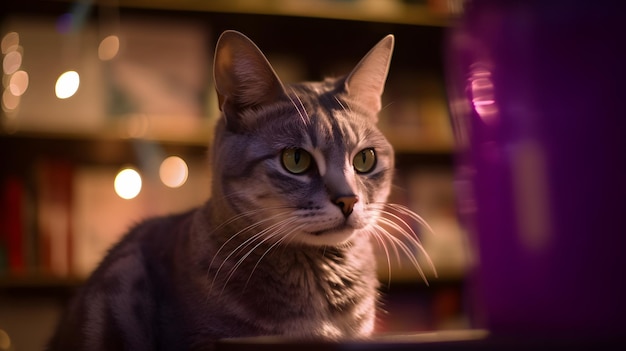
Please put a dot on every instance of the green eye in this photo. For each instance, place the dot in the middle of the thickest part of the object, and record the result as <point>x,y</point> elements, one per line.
<point>296,160</point>
<point>364,161</point>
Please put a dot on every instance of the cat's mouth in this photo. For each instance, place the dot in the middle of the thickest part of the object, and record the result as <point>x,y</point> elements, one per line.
<point>331,235</point>
<point>344,227</point>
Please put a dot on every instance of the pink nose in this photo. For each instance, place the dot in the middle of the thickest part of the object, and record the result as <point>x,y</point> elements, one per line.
<point>346,203</point>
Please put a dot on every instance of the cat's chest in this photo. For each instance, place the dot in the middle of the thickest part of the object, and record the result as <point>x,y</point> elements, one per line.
<point>299,286</point>
<point>291,291</point>
<point>332,297</point>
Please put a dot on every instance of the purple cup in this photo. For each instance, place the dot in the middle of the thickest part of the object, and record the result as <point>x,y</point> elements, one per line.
<point>538,100</point>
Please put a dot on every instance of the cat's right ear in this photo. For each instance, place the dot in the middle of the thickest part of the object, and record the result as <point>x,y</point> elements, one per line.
<point>366,82</point>
<point>244,79</point>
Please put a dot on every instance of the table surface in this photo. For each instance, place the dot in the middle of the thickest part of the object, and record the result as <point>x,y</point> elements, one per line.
<point>454,340</point>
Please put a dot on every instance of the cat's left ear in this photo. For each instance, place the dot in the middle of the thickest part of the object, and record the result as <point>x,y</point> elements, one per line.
<point>244,78</point>
<point>366,82</point>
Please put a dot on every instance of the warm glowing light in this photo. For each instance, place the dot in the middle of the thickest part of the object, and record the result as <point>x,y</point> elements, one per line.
<point>173,172</point>
<point>12,62</point>
<point>18,83</point>
<point>9,101</point>
<point>108,48</point>
<point>127,183</point>
<point>10,42</point>
<point>67,84</point>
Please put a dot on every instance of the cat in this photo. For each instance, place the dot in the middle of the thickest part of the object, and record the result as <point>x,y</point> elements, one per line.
<point>284,246</point>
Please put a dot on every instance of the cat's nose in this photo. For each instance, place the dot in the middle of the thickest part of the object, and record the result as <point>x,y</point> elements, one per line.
<point>346,203</point>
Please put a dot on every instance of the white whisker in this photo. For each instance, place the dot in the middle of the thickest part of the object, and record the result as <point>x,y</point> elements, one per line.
<point>243,215</point>
<point>283,237</point>
<point>249,227</point>
<point>306,114</point>
<point>402,246</point>
<point>297,108</point>
<point>342,105</point>
<point>242,245</point>
<point>406,211</point>
<point>409,233</point>
<point>381,243</point>
<point>390,217</point>
<point>265,239</point>
<point>406,230</point>
<point>395,249</point>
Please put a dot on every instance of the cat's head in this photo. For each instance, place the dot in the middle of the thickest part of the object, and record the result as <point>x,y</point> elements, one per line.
<point>299,163</point>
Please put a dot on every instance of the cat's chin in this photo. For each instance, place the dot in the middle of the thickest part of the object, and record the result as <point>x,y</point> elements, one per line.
<point>332,236</point>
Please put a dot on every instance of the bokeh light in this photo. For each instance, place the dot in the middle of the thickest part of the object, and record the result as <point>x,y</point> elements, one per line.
<point>18,83</point>
<point>12,62</point>
<point>9,101</point>
<point>173,172</point>
<point>14,80</point>
<point>108,48</point>
<point>127,183</point>
<point>67,84</point>
<point>10,42</point>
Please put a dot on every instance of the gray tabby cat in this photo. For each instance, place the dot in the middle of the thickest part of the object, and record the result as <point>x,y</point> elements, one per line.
<point>283,247</point>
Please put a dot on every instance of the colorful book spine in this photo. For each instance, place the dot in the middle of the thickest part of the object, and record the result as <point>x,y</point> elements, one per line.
<point>12,236</point>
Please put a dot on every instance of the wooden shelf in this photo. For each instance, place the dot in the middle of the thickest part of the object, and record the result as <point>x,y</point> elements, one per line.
<point>432,13</point>
<point>36,281</point>
<point>100,149</point>
<point>196,132</point>
<point>428,13</point>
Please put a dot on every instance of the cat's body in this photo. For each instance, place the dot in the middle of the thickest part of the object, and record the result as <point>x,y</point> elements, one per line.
<point>283,247</point>
<point>153,293</point>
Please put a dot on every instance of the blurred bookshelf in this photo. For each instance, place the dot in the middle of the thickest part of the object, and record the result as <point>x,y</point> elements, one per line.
<point>60,211</point>
<point>434,13</point>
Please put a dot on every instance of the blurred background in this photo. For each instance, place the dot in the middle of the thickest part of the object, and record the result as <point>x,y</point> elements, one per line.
<point>107,110</point>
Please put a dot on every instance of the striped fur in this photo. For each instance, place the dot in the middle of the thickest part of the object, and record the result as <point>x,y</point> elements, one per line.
<point>272,252</point>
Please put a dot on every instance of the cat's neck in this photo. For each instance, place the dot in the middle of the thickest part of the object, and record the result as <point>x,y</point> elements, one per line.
<point>289,289</point>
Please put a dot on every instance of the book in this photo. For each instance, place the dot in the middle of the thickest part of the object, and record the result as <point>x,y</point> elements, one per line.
<point>12,259</point>
<point>54,203</point>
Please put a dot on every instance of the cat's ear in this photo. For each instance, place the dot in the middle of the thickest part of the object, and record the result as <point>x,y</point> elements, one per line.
<point>366,82</point>
<point>243,76</point>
